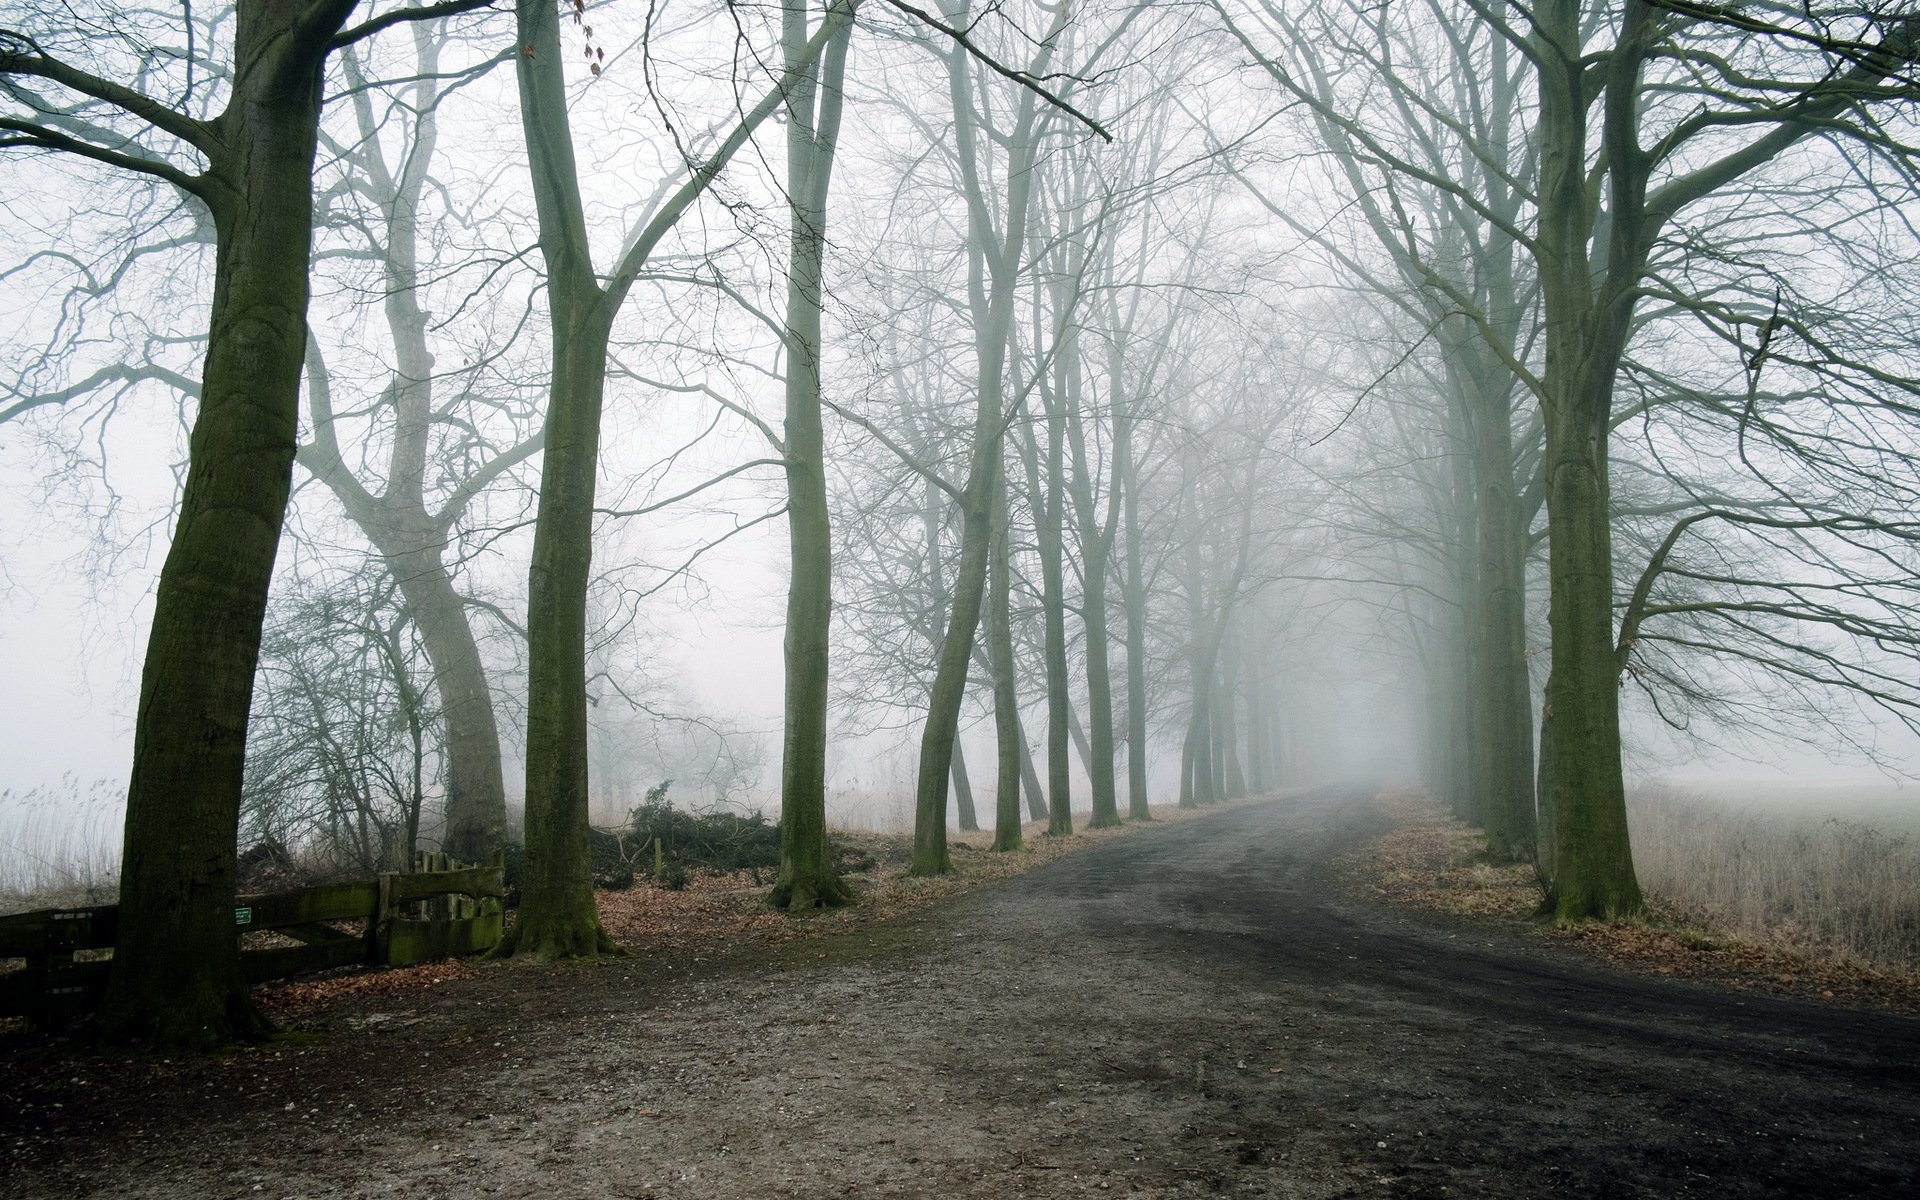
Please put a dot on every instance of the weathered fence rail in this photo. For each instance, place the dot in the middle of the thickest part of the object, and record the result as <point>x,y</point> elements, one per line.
<point>439,909</point>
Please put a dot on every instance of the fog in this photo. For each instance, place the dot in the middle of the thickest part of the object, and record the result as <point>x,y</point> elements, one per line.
<point>1201,393</point>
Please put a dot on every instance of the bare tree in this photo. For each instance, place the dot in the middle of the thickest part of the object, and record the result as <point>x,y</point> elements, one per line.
<point>175,973</point>
<point>558,918</point>
<point>807,875</point>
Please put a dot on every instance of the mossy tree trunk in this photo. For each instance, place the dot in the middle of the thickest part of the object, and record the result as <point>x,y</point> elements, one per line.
<point>1502,689</point>
<point>808,877</point>
<point>1592,267</point>
<point>557,917</point>
<point>175,975</point>
<point>1586,330</point>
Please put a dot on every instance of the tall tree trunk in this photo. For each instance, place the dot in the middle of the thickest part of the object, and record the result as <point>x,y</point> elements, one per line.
<point>1006,697</point>
<point>1030,780</point>
<point>1463,740</point>
<point>175,976</point>
<point>963,787</point>
<point>1138,800</point>
<point>558,917</point>
<point>1592,864</point>
<point>557,914</point>
<point>807,878</point>
<point>1197,755</point>
<point>1502,691</point>
<point>1096,543</point>
<point>937,737</point>
<point>1259,767</point>
<point>1199,786</point>
<point>966,813</point>
<point>1220,738</point>
<point>993,262</point>
<point>476,794</point>
<point>1077,734</point>
<point>411,540</point>
<point>1233,780</point>
<point>1189,798</point>
<point>1545,849</point>
<point>1093,609</point>
<point>1048,514</point>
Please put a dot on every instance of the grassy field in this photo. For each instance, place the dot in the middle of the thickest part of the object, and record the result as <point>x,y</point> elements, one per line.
<point>1832,870</point>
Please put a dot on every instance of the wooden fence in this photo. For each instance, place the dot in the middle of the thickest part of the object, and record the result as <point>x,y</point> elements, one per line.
<point>439,909</point>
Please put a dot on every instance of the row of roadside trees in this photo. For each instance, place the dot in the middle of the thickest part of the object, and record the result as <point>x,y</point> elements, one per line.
<point>1117,382</point>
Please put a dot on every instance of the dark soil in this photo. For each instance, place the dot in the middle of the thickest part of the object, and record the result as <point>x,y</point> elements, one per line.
<point>1186,1011</point>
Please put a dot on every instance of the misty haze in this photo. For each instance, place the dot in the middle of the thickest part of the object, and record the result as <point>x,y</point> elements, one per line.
<point>1307,598</point>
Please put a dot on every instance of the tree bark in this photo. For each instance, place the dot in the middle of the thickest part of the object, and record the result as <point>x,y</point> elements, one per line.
<point>1006,696</point>
<point>808,877</point>
<point>1048,515</point>
<point>993,272</point>
<point>937,737</point>
<point>175,976</point>
<point>1502,690</point>
<point>1592,862</point>
<point>963,788</point>
<point>1139,803</point>
<point>558,917</point>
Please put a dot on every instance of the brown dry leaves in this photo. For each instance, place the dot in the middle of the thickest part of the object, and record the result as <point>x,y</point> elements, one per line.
<point>1434,861</point>
<point>293,995</point>
<point>1664,946</point>
<point>717,911</point>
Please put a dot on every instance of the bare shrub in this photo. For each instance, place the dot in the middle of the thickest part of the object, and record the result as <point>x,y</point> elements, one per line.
<point>1833,888</point>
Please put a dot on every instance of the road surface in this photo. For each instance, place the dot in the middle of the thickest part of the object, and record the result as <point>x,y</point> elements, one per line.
<point>1188,1011</point>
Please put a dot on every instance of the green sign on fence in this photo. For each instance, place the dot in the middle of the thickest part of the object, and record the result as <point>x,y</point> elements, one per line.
<point>243,916</point>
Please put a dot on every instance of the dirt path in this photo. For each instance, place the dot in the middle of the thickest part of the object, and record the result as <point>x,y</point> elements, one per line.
<point>1181,1012</point>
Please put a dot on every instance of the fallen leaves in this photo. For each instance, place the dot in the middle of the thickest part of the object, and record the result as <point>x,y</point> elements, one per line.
<point>1434,861</point>
<point>715,911</point>
<point>1431,860</point>
<point>294,995</point>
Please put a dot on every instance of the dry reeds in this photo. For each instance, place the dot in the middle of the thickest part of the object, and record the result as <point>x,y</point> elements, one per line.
<point>1831,888</point>
<point>60,844</point>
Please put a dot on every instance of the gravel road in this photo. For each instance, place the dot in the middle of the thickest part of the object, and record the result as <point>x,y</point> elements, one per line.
<point>1187,1011</point>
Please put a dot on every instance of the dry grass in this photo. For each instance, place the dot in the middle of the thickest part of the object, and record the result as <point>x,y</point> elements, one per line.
<point>1833,889</point>
<point>60,844</point>
<point>1433,861</point>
